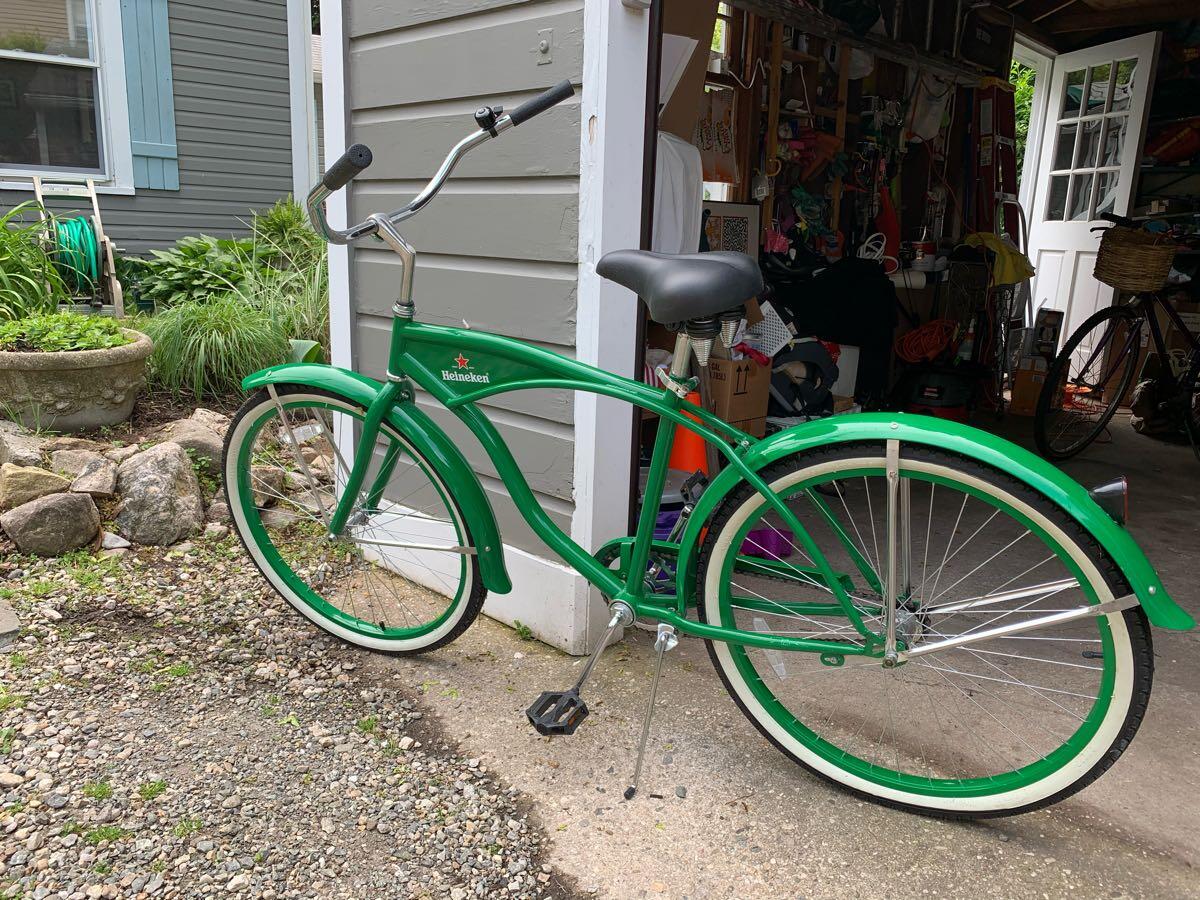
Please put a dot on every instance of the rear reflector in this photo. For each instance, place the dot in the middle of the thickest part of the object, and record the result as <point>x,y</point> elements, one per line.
<point>1113,498</point>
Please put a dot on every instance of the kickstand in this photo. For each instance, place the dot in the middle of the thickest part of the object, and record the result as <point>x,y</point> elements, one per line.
<point>666,640</point>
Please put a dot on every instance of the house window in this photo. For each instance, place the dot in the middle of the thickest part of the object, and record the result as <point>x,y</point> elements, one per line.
<point>51,99</point>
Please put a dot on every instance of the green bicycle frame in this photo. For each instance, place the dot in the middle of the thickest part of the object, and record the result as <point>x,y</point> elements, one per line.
<point>459,368</point>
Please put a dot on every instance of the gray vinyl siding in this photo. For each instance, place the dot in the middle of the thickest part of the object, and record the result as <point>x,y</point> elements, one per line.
<point>319,119</point>
<point>229,62</point>
<point>499,248</point>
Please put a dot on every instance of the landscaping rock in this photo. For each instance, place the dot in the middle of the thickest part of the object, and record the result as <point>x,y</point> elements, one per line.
<point>18,447</point>
<point>110,541</point>
<point>20,484</point>
<point>203,443</point>
<point>120,454</point>
<point>322,469</point>
<point>279,517</point>
<point>10,628</point>
<point>177,728</point>
<point>216,531</point>
<point>160,496</point>
<point>266,485</point>
<point>313,502</point>
<point>210,418</point>
<point>52,525</point>
<point>218,511</point>
<point>72,462</point>
<point>98,478</point>
<point>67,442</point>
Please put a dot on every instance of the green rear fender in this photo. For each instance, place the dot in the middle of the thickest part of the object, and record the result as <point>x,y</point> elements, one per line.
<point>429,440</point>
<point>970,442</point>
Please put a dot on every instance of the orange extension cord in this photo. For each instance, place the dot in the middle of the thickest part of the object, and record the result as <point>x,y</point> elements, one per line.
<point>927,342</point>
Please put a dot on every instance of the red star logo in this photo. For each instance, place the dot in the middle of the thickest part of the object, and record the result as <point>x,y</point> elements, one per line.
<point>462,361</point>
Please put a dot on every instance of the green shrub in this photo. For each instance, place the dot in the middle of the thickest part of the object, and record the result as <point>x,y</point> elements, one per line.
<point>29,282</point>
<point>298,299</point>
<point>53,332</point>
<point>285,235</point>
<point>197,269</point>
<point>26,41</point>
<point>206,348</point>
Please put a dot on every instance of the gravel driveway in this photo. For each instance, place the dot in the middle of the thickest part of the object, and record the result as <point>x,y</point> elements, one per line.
<point>170,728</point>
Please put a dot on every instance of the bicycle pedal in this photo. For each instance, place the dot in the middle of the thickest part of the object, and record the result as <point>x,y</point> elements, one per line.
<point>557,712</point>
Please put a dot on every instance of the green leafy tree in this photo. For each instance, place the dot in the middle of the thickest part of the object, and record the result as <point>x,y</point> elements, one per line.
<point>1022,78</point>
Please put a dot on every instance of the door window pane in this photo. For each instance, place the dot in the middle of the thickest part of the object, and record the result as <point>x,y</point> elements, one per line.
<point>1081,198</point>
<point>1057,205</point>
<point>1089,143</point>
<point>1114,140</point>
<point>1072,93</point>
<point>1126,69</point>
<point>1064,150</point>
<point>48,116</point>
<point>1098,88</point>
<point>52,27</point>
<point>1106,192</point>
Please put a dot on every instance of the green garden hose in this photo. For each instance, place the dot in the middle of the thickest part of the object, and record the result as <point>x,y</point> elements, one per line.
<point>77,253</point>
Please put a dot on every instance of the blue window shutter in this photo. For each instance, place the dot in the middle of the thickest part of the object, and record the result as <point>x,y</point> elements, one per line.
<point>146,31</point>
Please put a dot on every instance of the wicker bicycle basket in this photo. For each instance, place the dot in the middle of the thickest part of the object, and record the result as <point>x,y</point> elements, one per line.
<point>1134,260</point>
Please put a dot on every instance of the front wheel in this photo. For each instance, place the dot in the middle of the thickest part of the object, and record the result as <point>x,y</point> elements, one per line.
<point>1086,382</point>
<point>402,576</point>
<point>996,727</point>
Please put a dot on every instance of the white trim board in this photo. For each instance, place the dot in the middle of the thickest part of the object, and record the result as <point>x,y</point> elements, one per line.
<point>300,94</point>
<point>612,138</point>
<point>1041,60</point>
<point>541,600</point>
<point>334,122</point>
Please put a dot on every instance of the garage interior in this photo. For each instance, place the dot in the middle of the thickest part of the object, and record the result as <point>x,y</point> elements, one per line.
<point>875,158</point>
<point>899,168</point>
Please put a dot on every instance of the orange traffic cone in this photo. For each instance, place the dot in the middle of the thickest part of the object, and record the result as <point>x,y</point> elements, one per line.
<point>688,453</point>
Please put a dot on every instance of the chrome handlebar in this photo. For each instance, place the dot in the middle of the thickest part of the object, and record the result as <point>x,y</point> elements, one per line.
<point>491,122</point>
<point>372,226</point>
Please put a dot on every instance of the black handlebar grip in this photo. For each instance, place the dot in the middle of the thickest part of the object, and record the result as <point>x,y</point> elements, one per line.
<point>542,102</point>
<point>348,165</point>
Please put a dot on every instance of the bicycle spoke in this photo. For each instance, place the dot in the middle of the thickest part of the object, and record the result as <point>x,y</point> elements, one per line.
<point>386,570</point>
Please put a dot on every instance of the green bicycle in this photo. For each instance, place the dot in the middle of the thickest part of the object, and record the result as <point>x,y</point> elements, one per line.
<point>915,610</point>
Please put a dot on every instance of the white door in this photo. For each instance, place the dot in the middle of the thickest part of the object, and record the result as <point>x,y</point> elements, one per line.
<point>1095,121</point>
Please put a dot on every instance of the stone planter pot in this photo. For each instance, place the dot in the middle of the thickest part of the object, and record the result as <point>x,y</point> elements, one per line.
<point>74,390</point>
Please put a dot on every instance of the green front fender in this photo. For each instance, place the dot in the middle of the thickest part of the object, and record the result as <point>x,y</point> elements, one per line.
<point>970,442</point>
<point>429,440</point>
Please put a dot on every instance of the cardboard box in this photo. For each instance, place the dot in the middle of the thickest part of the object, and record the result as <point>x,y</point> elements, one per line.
<point>739,390</point>
<point>693,19</point>
<point>1027,382</point>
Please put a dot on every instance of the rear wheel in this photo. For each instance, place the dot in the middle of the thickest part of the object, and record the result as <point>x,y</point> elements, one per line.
<point>402,576</point>
<point>1086,382</point>
<point>994,727</point>
<point>1191,396</point>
